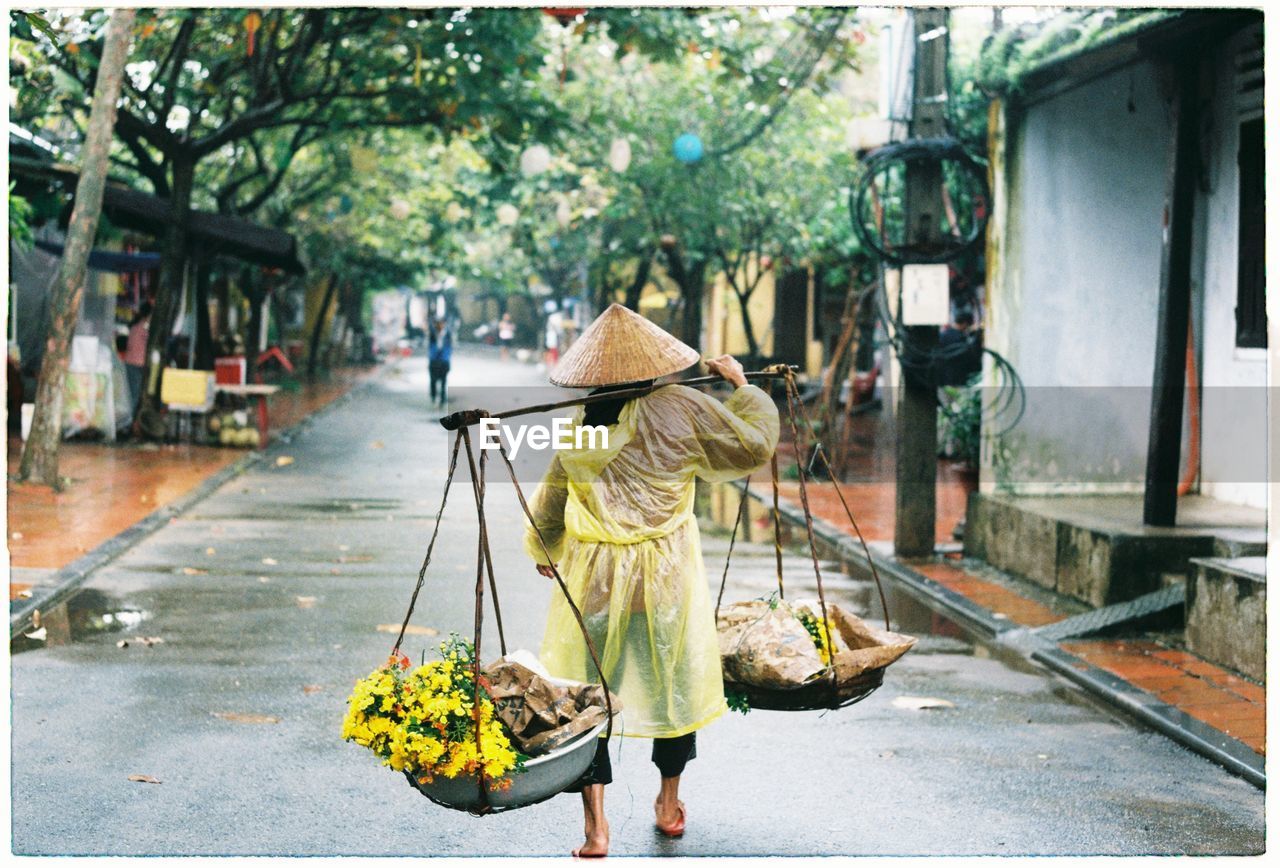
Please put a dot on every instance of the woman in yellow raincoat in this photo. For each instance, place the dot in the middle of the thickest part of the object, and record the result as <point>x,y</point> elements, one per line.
<point>618,522</point>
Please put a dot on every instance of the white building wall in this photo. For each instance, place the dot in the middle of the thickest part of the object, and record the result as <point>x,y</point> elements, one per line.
<point>1074,293</point>
<point>1233,407</point>
<point>1073,306</point>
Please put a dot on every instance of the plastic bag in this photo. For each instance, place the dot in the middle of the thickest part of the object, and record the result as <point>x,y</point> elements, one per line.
<point>764,643</point>
<point>541,713</point>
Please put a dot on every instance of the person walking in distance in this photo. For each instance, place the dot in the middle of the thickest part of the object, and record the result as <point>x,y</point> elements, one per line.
<point>439,361</point>
<point>506,335</point>
<point>135,352</point>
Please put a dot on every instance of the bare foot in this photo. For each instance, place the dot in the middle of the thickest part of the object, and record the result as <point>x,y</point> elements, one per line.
<point>596,846</point>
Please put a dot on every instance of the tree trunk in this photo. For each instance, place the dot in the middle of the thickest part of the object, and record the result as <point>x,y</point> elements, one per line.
<point>748,328</point>
<point>40,455</point>
<point>638,284</point>
<point>168,292</point>
<point>690,278</point>
<point>318,327</point>
<point>603,294</point>
<point>253,333</point>
<point>222,291</point>
<point>865,360</point>
<point>691,289</point>
<point>204,333</point>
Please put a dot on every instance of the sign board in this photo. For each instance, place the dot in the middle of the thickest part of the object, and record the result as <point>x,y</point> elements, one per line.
<point>926,295</point>
<point>187,390</point>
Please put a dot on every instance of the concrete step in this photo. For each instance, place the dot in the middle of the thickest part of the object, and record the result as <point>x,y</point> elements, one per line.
<point>1240,543</point>
<point>1227,613</point>
<point>1096,549</point>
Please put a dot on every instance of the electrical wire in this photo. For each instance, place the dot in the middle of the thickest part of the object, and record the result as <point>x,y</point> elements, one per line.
<point>922,362</point>
<point>942,149</point>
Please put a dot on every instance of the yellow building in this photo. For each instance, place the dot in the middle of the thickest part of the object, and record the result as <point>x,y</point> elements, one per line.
<point>783,310</point>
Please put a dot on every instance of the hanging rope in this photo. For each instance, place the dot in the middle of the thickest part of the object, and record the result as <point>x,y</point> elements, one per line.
<point>479,619</point>
<point>795,408</point>
<point>808,517</point>
<point>777,524</point>
<point>486,557</point>
<point>835,484</point>
<point>546,551</point>
<point>422,573</point>
<point>742,508</point>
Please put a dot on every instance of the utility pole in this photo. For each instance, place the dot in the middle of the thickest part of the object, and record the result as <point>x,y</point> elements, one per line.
<point>917,416</point>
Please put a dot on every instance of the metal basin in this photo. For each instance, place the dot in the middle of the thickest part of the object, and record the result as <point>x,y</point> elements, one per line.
<point>542,778</point>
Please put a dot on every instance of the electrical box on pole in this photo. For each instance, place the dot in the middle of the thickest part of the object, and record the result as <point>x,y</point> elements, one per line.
<point>917,417</point>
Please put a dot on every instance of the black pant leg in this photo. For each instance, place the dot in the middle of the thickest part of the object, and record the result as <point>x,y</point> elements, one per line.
<point>599,772</point>
<point>671,755</point>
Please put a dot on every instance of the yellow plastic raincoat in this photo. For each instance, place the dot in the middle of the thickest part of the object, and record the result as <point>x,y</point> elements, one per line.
<point>619,524</point>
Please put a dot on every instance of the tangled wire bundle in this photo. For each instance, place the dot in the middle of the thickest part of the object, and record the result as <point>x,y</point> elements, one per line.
<point>876,207</point>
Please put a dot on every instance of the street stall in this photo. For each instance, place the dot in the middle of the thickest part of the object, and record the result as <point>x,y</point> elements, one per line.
<point>99,398</point>
<point>102,387</point>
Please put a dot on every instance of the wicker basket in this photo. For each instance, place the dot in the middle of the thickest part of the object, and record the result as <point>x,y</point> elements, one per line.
<point>819,694</point>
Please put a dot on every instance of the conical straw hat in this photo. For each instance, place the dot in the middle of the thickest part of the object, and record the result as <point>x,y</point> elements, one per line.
<point>621,347</point>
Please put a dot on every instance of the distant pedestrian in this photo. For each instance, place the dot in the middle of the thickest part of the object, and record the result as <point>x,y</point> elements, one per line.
<point>135,352</point>
<point>439,361</point>
<point>506,335</point>
<point>552,340</point>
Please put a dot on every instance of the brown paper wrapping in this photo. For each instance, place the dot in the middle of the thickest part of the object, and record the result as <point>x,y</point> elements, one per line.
<point>539,715</point>
<point>768,647</point>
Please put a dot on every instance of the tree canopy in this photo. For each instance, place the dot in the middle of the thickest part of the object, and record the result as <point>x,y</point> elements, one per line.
<point>393,143</point>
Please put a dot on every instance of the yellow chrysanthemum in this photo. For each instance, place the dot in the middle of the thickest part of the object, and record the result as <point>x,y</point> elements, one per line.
<point>405,717</point>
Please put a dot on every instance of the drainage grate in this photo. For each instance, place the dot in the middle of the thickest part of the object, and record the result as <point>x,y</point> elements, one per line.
<point>1110,616</point>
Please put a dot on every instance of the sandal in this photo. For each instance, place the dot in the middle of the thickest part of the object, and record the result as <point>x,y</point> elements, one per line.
<point>676,829</point>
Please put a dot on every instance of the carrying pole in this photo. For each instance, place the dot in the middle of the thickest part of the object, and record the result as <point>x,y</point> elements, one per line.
<point>454,421</point>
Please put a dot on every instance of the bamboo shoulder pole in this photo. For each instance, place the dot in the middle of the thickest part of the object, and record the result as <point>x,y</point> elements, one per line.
<point>454,421</point>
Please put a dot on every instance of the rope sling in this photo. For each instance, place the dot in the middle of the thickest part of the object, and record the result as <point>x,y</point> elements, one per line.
<point>461,422</point>
<point>824,691</point>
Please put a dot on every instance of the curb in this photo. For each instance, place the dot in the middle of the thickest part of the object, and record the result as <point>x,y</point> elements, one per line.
<point>1235,756</point>
<point>67,580</point>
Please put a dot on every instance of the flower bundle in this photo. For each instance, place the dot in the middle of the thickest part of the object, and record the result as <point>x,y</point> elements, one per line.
<point>423,720</point>
<point>813,625</point>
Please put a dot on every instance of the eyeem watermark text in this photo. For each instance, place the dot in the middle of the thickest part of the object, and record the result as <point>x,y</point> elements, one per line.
<point>561,435</point>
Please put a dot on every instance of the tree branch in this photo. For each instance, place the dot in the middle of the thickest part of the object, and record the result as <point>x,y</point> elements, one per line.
<point>181,48</point>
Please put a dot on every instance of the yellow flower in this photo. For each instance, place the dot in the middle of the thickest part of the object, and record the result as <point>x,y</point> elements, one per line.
<point>405,717</point>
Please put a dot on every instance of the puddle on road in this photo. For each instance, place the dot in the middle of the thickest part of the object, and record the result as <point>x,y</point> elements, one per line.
<point>344,505</point>
<point>86,614</point>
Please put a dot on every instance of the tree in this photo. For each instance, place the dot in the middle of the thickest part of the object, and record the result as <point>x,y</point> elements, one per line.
<point>768,182</point>
<point>40,454</point>
<point>213,89</point>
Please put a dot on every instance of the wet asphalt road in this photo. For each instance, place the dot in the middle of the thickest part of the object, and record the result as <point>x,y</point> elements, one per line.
<point>309,558</point>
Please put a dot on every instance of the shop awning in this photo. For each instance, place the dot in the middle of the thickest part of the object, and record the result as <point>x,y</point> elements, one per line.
<point>211,234</point>
<point>115,261</point>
